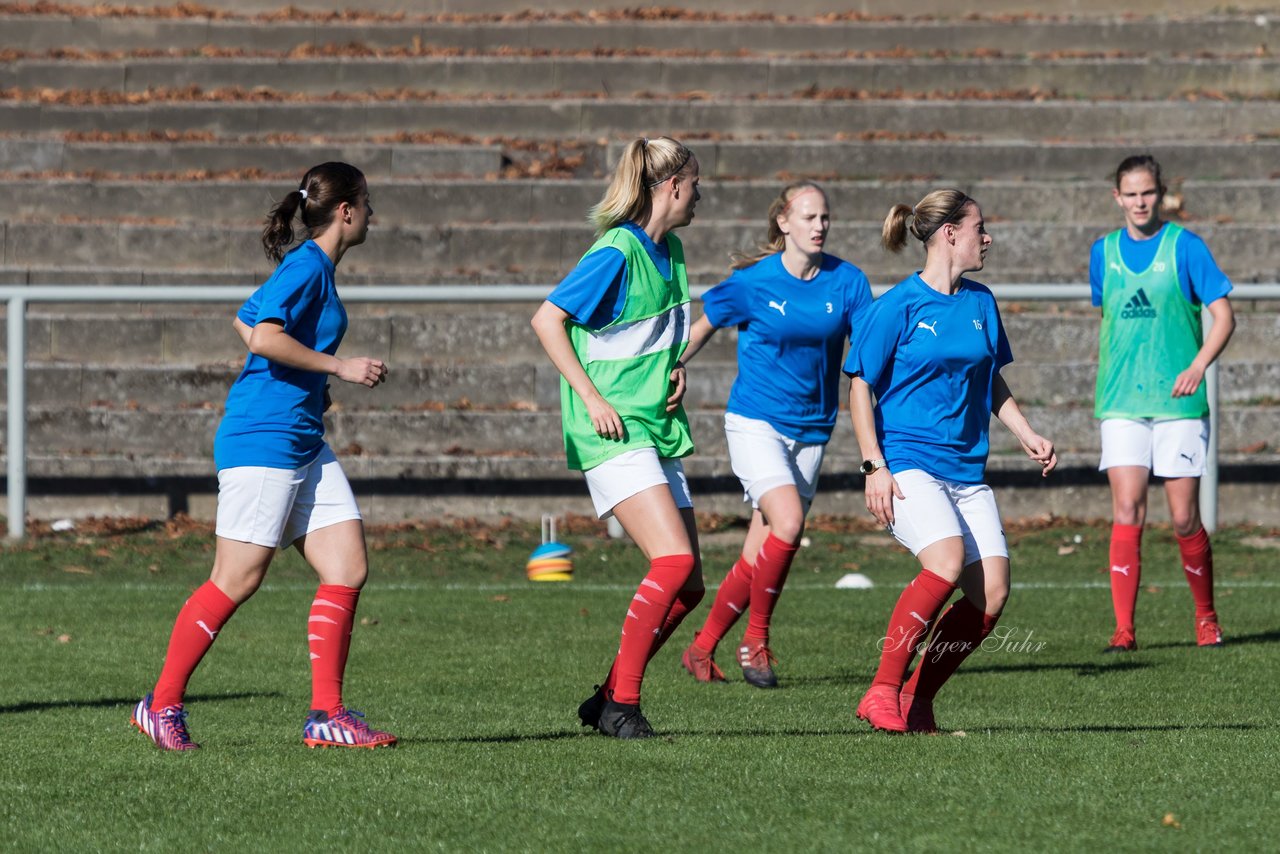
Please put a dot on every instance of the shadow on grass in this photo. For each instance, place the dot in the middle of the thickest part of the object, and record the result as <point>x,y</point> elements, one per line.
<point>1086,668</point>
<point>109,702</point>
<point>1272,636</point>
<point>514,738</point>
<point>1106,728</point>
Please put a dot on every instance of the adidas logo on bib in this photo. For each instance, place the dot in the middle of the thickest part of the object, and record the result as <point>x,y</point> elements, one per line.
<point>1138,307</point>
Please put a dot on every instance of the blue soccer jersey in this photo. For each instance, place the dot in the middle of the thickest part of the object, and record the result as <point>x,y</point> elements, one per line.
<point>1199,276</point>
<point>791,338</point>
<point>931,360</point>
<point>274,413</point>
<point>595,290</point>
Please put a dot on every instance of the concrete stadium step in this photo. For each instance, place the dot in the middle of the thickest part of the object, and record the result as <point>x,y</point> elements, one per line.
<point>1138,77</point>
<point>189,433</point>
<point>533,384</point>
<point>1041,159</point>
<point>840,464</point>
<point>565,118</point>
<point>828,159</point>
<point>832,158</point>
<point>626,9</point>
<point>390,489</point>
<point>24,155</point>
<point>1212,33</point>
<point>456,201</point>
<point>1246,252</point>
<point>112,337</point>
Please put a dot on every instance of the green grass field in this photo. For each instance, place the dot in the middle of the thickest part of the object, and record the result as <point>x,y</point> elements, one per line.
<point>479,672</point>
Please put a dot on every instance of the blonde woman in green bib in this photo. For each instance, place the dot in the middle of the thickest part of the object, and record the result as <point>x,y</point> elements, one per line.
<point>1151,279</point>
<point>615,328</point>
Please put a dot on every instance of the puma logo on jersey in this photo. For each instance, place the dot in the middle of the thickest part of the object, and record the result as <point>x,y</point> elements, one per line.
<point>1138,307</point>
<point>782,308</point>
<point>923,325</point>
<point>1123,570</point>
<point>1194,570</point>
<point>1188,457</point>
<point>207,631</point>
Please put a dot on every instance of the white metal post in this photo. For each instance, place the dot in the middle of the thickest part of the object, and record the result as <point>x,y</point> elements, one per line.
<point>17,417</point>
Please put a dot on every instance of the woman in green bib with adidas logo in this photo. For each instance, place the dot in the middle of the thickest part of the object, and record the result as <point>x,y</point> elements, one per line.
<point>1151,279</point>
<point>615,328</point>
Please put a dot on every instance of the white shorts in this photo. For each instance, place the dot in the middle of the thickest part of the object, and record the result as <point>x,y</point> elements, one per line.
<point>935,509</point>
<point>1174,447</point>
<point>617,479</point>
<point>764,459</point>
<point>274,507</point>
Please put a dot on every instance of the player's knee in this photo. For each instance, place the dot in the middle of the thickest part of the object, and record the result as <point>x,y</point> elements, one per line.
<point>996,596</point>
<point>1129,513</point>
<point>1186,524</point>
<point>788,527</point>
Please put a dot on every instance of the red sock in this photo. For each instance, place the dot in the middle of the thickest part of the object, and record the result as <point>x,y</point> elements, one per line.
<point>1126,572</point>
<point>772,565</point>
<point>642,628</point>
<point>959,632</point>
<point>333,612</point>
<point>733,597</point>
<point>1197,563</point>
<point>686,601</point>
<point>201,618</point>
<point>917,607</point>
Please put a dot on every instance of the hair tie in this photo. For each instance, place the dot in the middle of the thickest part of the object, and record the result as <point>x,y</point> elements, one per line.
<point>644,142</point>
<point>913,210</point>
<point>303,192</point>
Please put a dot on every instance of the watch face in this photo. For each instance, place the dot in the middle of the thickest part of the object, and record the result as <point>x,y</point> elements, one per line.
<point>867,467</point>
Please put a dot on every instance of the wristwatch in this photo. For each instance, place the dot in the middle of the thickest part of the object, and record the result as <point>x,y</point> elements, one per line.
<point>870,466</point>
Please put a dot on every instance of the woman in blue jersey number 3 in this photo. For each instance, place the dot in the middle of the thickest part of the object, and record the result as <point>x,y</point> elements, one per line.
<point>1151,279</point>
<point>795,307</point>
<point>278,482</point>
<point>615,328</point>
<point>931,352</point>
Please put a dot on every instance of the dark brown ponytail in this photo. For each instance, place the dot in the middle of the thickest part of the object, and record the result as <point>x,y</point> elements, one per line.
<point>315,202</point>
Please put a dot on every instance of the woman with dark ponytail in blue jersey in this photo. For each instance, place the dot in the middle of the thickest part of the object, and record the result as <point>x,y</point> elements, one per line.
<point>1152,279</point>
<point>279,484</point>
<point>931,352</point>
<point>795,307</point>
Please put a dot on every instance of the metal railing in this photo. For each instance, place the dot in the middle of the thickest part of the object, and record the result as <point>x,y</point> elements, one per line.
<point>18,297</point>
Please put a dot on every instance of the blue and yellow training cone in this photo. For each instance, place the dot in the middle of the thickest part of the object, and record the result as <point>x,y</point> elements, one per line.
<point>550,561</point>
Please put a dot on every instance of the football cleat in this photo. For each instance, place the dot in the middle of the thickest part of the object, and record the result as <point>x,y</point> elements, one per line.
<point>345,729</point>
<point>880,708</point>
<point>624,720</point>
<point>701,665</point>
<point>757,662</point>
<point>167,727</point>
<point>589,711</point>
<point>1122,641</point>
<point>918,713</point>
<point>1208,632</point>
